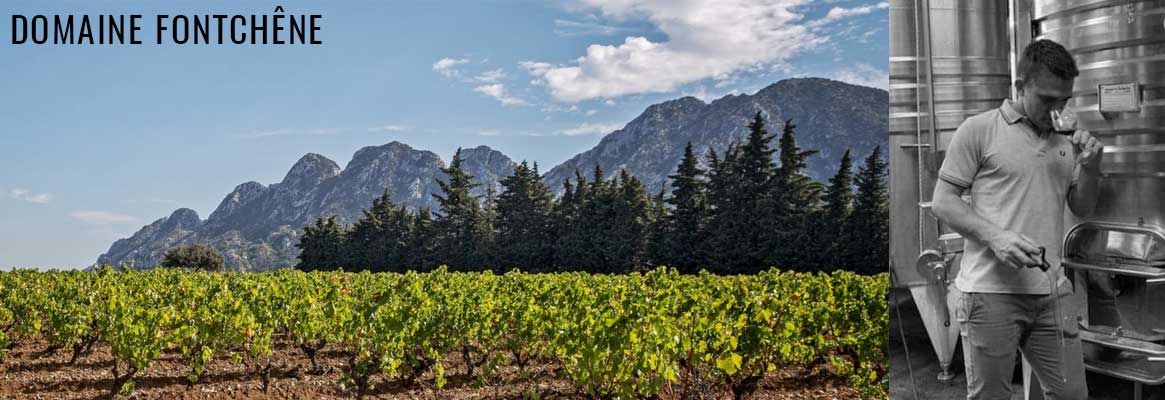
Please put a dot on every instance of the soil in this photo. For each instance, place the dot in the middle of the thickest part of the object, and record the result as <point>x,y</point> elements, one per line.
<point>31,373</point>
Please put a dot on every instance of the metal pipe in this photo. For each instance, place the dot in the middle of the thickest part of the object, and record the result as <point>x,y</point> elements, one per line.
<point>933,165</point>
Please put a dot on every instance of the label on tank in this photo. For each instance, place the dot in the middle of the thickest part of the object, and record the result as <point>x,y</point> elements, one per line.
<point>1119,97</point>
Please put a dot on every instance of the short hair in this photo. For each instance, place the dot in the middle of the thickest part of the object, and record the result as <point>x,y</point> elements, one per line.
<point>1047,54</point>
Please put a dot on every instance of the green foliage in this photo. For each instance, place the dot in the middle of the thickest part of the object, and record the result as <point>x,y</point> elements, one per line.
<point>322,245</point>
<point>379,241</point>
<point>744,213</point>
<point>796,197</point>
<point>829,223</point>
<point>523,224</point>
<point>461,229</point>
<point>868,226</point>
<point>615,336</point>
<point>687,224</point>
<point>195,257</point>
<point>741,214</point>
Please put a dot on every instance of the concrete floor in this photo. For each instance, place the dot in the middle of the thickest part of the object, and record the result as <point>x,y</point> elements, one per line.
<point>924,363</point>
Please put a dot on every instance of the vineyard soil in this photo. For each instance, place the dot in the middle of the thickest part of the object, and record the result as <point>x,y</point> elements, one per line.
<point>30,373</point>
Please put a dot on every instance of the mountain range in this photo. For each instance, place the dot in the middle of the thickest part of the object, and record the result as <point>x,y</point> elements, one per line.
<point>256,226</point>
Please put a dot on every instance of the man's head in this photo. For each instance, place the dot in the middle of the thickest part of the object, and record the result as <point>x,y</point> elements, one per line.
<point>1044,82</point>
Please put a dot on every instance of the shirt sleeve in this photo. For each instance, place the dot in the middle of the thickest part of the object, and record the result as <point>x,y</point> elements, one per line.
<point>964,156</point>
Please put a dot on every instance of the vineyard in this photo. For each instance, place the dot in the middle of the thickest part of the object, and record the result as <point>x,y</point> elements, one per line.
<point>653,335</point>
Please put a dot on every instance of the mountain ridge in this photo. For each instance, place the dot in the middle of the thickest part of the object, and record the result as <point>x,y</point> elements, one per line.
<point>256,226</point>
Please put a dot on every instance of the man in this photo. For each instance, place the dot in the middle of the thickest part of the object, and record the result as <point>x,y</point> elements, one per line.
<point>1020,174</point>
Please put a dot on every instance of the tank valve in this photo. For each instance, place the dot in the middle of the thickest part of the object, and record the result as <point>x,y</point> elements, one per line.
<point>934,266</point>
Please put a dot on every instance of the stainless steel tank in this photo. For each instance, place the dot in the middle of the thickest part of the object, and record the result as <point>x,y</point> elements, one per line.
<point>948,61</point>
<point>1119,48</point>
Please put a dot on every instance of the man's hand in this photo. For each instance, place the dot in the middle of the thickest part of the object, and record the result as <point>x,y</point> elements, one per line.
<point>1088,150</point>
<point>1014,249</point>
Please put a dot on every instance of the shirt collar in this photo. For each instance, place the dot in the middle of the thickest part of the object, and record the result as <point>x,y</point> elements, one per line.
<point>1010,114</point>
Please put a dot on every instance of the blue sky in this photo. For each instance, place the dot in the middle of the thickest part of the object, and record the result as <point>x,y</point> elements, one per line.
<point>98,140</point>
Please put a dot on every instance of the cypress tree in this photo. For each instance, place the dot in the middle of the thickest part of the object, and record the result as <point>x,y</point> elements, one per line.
<point>570,239</point>
<point>625,230</point>
<point>321,246</point>
<point>460,227</point>
<point>422,235</point>
<point>488,241</point>
<point>746,218</point>
<point>831,220</point>
<point>795,197</point>
<point>657,252</point>
<point>376,240</point>
<point>685,227</point>
<point>868,224</point>
<point>596,219</point>
<point>524,235</point>
<point>726,246</point>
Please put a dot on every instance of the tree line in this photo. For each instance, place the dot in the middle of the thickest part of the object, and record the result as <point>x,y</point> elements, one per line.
<point>743,214</point>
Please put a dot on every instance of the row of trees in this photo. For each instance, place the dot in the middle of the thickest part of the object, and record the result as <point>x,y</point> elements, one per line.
<point>743,214</point>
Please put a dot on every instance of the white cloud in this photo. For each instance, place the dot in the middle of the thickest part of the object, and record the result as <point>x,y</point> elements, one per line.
<point>587,26</point>
<point>609,102</point>
<point>388,128</point>
<point>700,93</point>
<point>591,128</point>
<point>498,91</point>
<point>591,112</point>
<point>29,196</point>
<point>489,132</point>
<point>706,39</point>
<point>493,76</point>
<point>446,66</point>
<point>865,75</point>
<point>838,13</point>
<point>101,217</point>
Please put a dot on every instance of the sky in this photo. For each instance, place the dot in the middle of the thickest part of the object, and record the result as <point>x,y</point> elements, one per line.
<point>98,140</point>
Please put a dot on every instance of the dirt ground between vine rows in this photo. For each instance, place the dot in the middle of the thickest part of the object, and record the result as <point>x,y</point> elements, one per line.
<point>29,373</point>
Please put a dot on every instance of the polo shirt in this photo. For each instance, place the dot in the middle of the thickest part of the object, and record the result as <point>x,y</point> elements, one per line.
<point>1017,181</point>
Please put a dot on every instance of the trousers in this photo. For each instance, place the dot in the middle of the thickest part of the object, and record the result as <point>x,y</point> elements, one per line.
<point>993,326</point>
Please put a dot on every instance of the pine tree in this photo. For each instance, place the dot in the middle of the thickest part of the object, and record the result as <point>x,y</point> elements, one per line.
<point>321,246</point>
<point>658,233</point>
<point>488,242</point>
<point>624,228</point>
<point>422,235</point>
<point>378,239</point>
<point>746,219</point>
<point>597,204</point>
<point>570,238</point>
<point>461,224</point>
<point>524,231</point>
<point>795,196</point>
<point>831,220</point>
<point>868,224</point>
<point>726,246</point>
<point>685,228</point>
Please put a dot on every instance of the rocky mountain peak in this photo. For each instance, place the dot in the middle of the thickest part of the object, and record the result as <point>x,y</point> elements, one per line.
<point>237,199</point>
<point>310,170</point>
<point>680,106</point>
<point>368,153</point>
<point>182,218</point>
<point>487,166</point>
<point>830,116</point>
<point>256,227</point>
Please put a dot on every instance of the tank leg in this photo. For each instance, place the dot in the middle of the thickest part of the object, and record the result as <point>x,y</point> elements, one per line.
<point>946,376</point>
